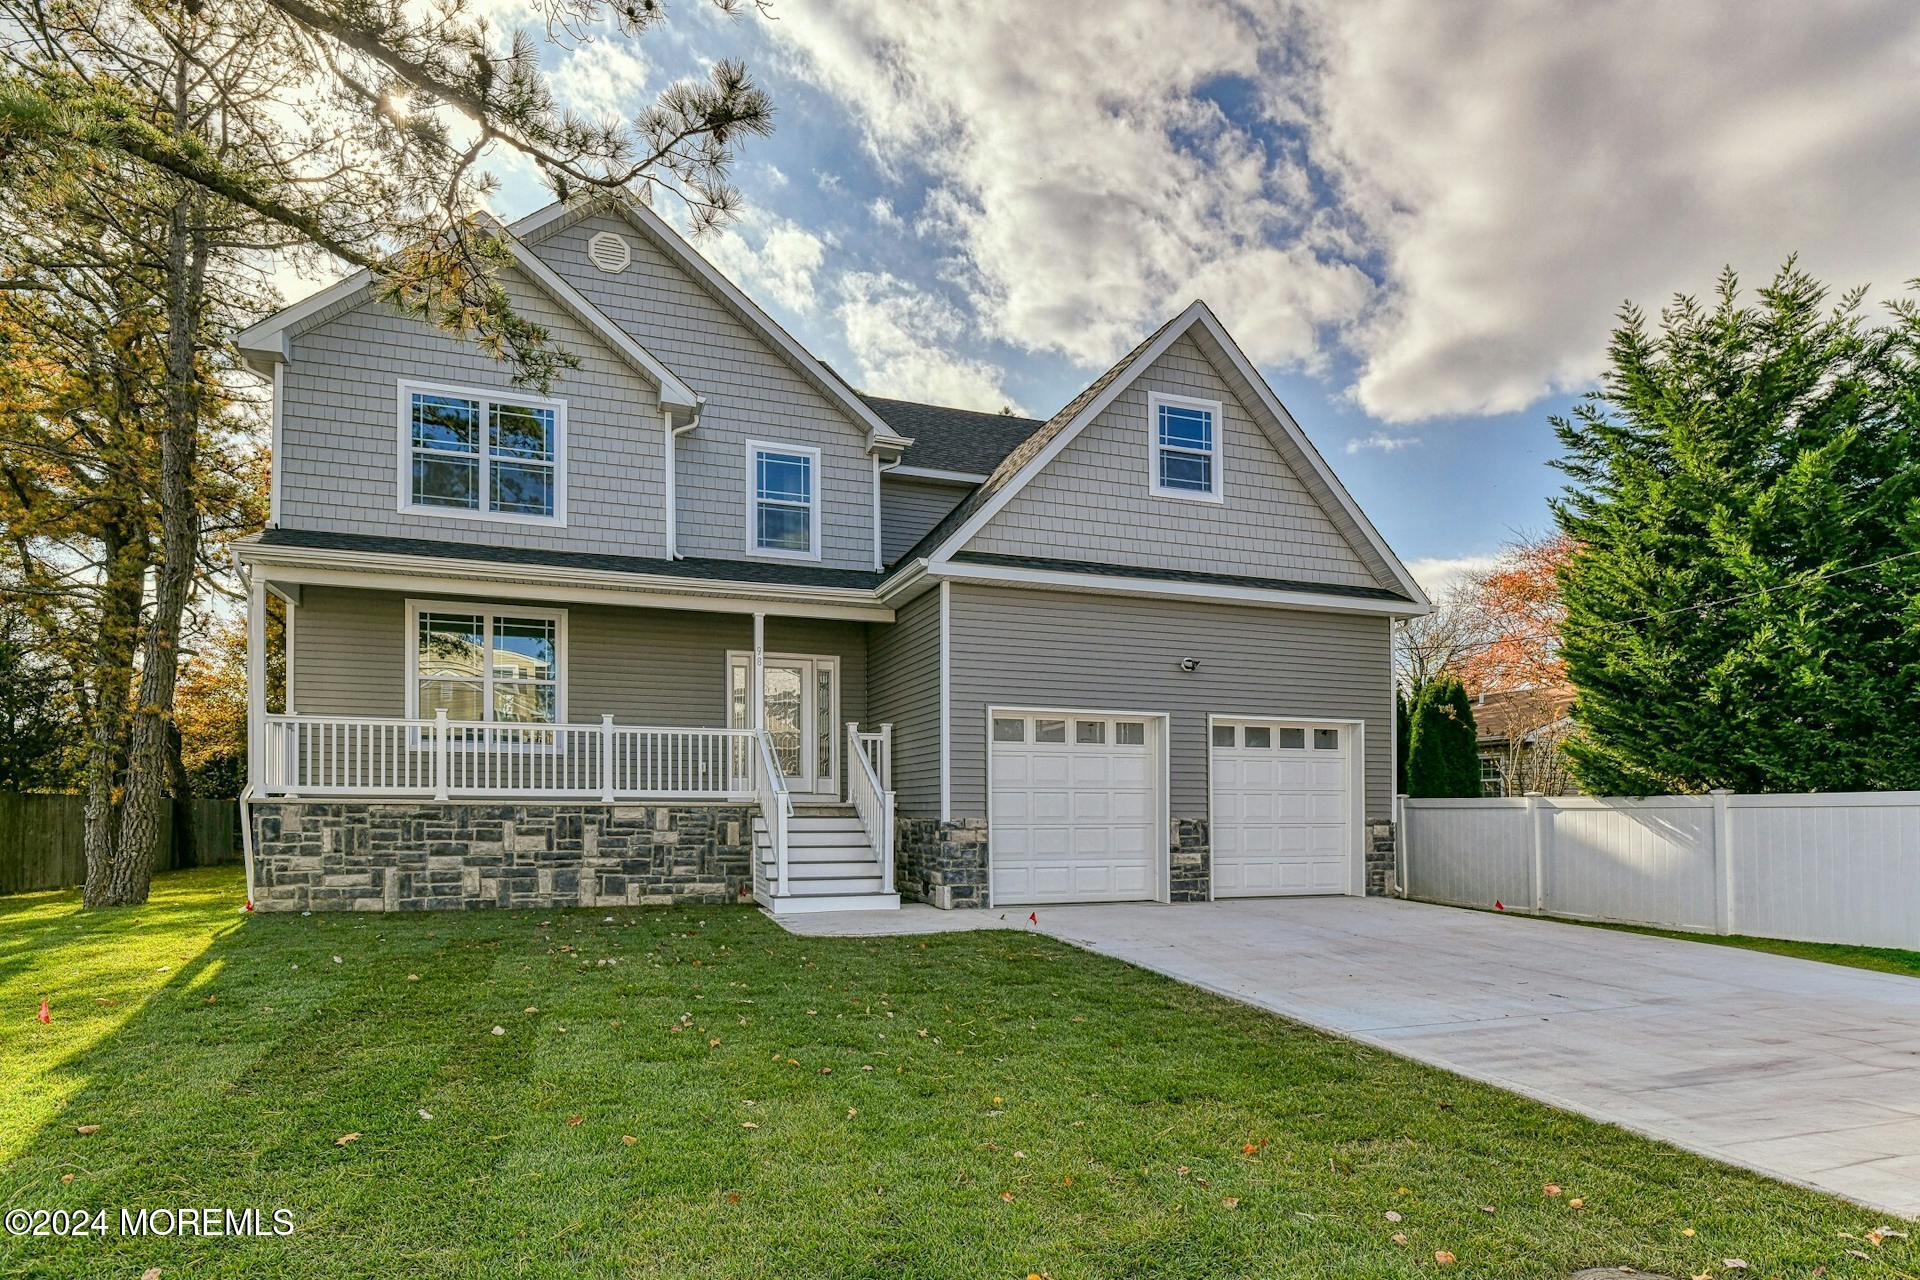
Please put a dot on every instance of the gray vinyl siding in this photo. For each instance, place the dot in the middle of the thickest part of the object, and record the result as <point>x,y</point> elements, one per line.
<point>908,508</point>
<point>1042,649</point>
<point>752,393</point>
<point>904,689</point>
<point>340,432</point>
<point>661,667</point>
<point>1092,501</point>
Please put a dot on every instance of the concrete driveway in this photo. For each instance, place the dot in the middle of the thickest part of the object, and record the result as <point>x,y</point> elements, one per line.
<point>1806,1072</point>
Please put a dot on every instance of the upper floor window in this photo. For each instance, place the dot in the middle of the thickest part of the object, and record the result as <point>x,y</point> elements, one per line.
<point>481,453</point>
<point>1185,452</point>
<point>783,500</point>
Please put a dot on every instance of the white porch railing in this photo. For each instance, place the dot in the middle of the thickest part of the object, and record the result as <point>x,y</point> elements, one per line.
<point>868,764</point>
<point>776,806</point>
<point>440,759</point>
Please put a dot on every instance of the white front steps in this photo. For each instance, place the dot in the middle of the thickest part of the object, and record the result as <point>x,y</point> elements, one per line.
<point>831,865</point>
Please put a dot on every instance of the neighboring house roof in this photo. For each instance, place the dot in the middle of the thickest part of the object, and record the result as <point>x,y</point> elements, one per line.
<point>1500,715</point>
<point>960,440</point>
<point>771,573</point>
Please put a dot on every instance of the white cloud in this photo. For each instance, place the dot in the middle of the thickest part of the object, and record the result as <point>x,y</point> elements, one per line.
<point>1526,169</point>
<point>1458,197</point>
<point>1091,188</point>
<point>882,212</point>
<point>903,340</point>
<point>773,175</point>
<point>1438,575</point>
<point>770,256</point>
<point>603,77</point>
<point>1381,441</point>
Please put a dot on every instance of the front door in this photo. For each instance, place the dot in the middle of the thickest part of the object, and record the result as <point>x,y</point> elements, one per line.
<point>801,701</point>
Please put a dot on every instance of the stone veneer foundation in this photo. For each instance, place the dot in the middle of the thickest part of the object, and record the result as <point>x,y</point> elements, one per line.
<point>383,856</point>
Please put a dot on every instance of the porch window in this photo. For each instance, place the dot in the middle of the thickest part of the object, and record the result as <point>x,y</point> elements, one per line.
<point>783,498</point>
<point>478,454</point>
<point>482,664</point>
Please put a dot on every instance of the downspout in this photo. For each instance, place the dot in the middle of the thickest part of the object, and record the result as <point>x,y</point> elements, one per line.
<point>671,434</point>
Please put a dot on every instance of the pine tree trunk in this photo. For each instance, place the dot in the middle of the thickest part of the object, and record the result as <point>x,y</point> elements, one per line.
<point>111,680</point>
<point>143,817</point>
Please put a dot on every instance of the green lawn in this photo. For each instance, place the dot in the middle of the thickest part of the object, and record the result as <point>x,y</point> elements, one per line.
<point>694,1093</point>
<point>1879,959</point>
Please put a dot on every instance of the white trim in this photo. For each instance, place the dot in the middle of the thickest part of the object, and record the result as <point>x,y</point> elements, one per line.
<point>277,452</point>
<point>1161,740</point>
<point>491,609</point>
<point>1356,787</point>
<point>1216,455</point>
<point>815,661</point>
<point>879,562</point>
<point>256,680</point>
<point>1197,313</point>
<point>1218,593</point>
<point>906,472</point>
<point>486,397</point>
<point>946,705</point>
<point>382,571</point>
<point>289,700</point>
<point>269,337</point>
<point>814,482</point>
<point>657,230</point>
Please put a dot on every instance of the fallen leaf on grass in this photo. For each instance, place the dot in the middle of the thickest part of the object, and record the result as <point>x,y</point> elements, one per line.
<point>66,1178</point>
<point>628,1138</point>
<point>1687,1232</point>
<point>1551,1189</point>
<point>748,1124</point>
<point>499,1031</point>
<point>1576,1203</point>
<point>1230,1202</point>
<point>1734,1264</point>
<point>1392,1216</point>
<point>425,1114</point>
<point>1442,1257</point>
<point>1486,1208</point>
<point>413,977</point>
<point>345,1138</point>
<point>1399,1237</point>
<point>1861,1254</point>
<point>86,1129</point>
<point>851,1113</point>
<point>574,1121</point>
<point>151,1273</point>
<point>1007,1196</point>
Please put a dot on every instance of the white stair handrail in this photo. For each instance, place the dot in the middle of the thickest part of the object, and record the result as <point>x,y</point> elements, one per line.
<point>776,807</point>
<point>872,801</point>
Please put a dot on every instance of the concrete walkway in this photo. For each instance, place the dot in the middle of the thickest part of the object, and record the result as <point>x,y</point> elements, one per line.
<point>1803,1071</point>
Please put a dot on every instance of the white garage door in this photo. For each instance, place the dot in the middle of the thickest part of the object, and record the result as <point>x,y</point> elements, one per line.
<point>1072,811</point>
<point>1282,809</point>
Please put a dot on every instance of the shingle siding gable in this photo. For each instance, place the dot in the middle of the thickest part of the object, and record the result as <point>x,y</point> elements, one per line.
<point>1092,502</point>
<point>751,392</point>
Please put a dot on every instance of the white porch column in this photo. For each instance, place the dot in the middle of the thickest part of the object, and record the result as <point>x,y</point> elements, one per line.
<point>757,678</point>
<point>257,677</point>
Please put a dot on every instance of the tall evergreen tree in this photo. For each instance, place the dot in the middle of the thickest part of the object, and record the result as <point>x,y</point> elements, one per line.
<point>1743,609</point>
<point>1443,757</point>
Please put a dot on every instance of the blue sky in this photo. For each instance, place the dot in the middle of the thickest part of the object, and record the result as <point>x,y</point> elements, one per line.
<point>1419,221</point>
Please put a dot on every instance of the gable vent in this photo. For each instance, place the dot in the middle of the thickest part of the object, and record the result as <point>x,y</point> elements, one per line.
<point>609,252</point>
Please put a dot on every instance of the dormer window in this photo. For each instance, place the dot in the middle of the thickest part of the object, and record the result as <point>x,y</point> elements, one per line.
<point>783,500</point>
<point>481,454</point>
<point>1184,448</point>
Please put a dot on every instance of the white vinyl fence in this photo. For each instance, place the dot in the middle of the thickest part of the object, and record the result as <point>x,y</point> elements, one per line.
<point>1817,868</point>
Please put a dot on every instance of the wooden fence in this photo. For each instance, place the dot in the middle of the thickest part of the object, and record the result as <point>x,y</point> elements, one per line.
<point>43,844</point>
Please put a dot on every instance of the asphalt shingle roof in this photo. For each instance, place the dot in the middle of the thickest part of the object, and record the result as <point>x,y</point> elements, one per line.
<point>771,573</point>
<point>952,439</point>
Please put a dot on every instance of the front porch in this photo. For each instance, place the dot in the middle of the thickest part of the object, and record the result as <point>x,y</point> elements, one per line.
<point>434,750</point>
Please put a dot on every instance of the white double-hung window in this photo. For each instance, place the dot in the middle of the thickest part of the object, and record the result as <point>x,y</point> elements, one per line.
<point>484,664</point>
<point>485,454</point>
<point>1184,453</point>
<point>783,500</point>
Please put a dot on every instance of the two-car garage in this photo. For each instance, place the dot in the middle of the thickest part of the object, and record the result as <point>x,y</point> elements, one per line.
<point>1077,806</point>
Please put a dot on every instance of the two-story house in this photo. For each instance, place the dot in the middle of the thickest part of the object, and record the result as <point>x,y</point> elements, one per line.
<point>703,622</point>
